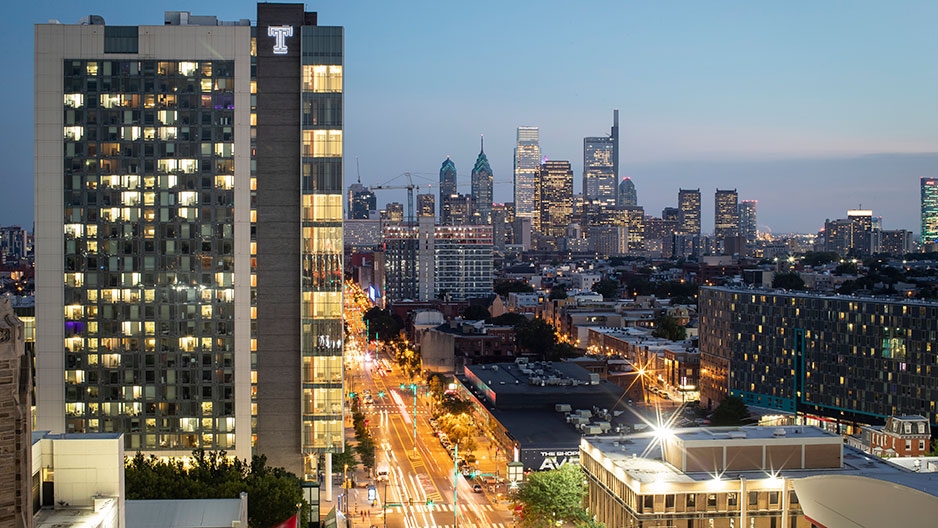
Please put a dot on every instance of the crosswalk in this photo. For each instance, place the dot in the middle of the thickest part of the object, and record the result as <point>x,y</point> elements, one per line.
<point>464,524</point>
<point>437,507</point>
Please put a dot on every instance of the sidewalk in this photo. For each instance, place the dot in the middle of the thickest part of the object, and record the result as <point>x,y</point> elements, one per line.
<point>358,504</point>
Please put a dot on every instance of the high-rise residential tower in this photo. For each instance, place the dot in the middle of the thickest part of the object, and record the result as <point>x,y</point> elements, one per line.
<point>526,163</point>
<point>747,220</point>
<point>447,179</point>
<point>929,213</point>
<point>481,188</point>
<point>688,201</point>
<point>628,196</point>
<point>864,232</point>
<point>601,166</point>
<point>190,291</point>
<point>556,192</point>
<point>426,205</point>
<point>725,216</point>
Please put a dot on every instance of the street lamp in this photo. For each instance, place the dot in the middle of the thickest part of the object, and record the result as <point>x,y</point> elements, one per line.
<point>346,486</point>
<point>384,504</point>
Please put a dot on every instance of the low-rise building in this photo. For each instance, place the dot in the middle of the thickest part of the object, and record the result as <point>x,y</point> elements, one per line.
<point>537,412</point>
<point>726,477</point>
<point>902,436</point>
<point>448,347</point>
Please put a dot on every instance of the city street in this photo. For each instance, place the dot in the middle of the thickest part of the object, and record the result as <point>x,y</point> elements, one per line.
<point>420,489</point>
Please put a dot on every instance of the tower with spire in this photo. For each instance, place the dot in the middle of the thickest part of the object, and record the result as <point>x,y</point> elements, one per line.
<point>481,188</point>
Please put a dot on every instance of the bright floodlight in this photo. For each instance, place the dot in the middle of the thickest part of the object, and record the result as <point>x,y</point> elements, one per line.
<point>663,433</point>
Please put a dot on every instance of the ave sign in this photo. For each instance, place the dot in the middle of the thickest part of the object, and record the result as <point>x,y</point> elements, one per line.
<point>555,459</point>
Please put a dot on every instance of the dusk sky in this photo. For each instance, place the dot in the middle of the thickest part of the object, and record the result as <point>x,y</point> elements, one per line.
<point>811,108</point>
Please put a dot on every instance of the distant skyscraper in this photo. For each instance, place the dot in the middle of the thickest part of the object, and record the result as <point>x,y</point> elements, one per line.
<point>601,166</point>
<point>689,204</point>
<point>747,220</point>
<point>929,212</point>
<point>455,210</point>
<point>864,232</point>
<point>14,243</point>
<point>426,205</point>
<point>363,201</point>
<point>556,191</point>
<point>628,196</point>
<point>672,214</point>
<point>897,242</point>
<point>836,236</point>
<point>481,187</point>
<point>447,179</point>
<point>393,213</point>
<point>527,161</point>
<point>725,216</point>
<point>353,189</point>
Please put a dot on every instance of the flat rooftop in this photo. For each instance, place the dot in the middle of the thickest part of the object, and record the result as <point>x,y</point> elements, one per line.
<point>639,456</point>
<point>541,385</point>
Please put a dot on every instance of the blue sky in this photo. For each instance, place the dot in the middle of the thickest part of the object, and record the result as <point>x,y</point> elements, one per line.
<point>811,108</point>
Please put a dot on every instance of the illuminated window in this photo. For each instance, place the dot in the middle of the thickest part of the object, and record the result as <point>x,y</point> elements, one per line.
<point>322,207</point>
<point>321,78</point>
<point>322,143</point>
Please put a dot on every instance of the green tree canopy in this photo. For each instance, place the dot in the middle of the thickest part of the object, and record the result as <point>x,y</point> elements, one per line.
<point>788,281</point>
<point>549,497</point>
<point>382,324</point>
<point>476,312</point>
<point>558,292</point>
<point>666,326</point>
<point>679,292</point>
<point>436,385</point>
<point>408,358</point>
<point>562,351</point>
<point>505,287</point>
<point>509,319</point>
<point>819,258</point>
<point>846,268</point>
<point>731,411</point>
<point>608,288</point>
<point>273,493</point>
<point>536,336</point>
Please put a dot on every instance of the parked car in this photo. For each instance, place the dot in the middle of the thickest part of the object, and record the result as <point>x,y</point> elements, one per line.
<point>477,488</point>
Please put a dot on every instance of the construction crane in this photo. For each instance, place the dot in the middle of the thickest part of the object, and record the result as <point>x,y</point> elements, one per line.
<point>410,194</point>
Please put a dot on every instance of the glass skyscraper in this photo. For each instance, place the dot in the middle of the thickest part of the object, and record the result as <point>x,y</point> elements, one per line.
<point>628,196</point>
<point>689,216</point>
<point>725,216</point>
<point>481,188</point>
<point>601,166</point>
<point>929,211</point>
<point>747,220</point>
<point>189,208</point>
<point>555,178</point>
<point>527,160</point>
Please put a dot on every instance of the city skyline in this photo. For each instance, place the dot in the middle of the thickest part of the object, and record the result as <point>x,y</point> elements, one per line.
<point>809,126</point>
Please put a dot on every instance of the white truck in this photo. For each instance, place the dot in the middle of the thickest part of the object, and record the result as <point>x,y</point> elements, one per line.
<point>381,473</point>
